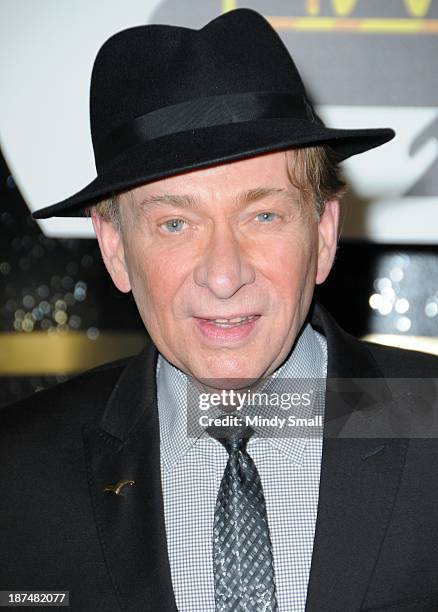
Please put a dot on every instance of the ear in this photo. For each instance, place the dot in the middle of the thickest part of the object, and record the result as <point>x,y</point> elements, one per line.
<point>113,254</point>
<point>327,239</point>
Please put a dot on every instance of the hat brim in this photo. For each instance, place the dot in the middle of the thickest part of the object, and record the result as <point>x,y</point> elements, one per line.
<point>196,149</point>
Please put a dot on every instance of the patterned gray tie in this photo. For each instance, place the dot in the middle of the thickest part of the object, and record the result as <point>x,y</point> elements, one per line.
<point>242,551</point>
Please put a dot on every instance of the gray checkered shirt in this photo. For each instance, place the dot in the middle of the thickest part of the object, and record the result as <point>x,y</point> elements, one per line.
<point>192,470</point>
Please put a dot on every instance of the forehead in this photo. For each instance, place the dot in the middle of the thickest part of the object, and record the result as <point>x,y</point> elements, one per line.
<point>267,174</point>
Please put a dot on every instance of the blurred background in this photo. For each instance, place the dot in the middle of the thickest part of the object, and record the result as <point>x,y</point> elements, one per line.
<point>366,63</point>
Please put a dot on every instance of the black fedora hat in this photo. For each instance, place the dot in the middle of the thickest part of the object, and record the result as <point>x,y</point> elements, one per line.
<point>166,100</point>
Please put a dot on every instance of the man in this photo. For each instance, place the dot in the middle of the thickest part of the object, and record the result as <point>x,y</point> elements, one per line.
<point>216,204</point>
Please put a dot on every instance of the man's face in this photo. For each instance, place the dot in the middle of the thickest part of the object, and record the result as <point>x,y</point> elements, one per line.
<point>222,263</point>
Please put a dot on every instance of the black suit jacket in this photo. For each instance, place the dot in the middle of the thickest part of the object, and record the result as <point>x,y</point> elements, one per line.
<point>376,541</point>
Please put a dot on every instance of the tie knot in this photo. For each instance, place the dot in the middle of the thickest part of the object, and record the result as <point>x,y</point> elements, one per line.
<point>232,438</point>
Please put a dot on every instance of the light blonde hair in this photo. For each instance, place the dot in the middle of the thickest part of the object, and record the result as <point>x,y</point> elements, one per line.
<point>312,170</point>
<point>316,174</point>
<point>108,209</point>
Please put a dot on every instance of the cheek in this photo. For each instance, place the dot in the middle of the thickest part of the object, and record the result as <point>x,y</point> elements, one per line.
<point>290,266</point>
<point>155,280</point>
<point>141,276</point>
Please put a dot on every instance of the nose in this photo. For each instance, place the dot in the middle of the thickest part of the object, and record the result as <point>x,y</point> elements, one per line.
<point>223,268</point>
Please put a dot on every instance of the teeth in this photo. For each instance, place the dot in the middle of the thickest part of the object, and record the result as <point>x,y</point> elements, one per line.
<point>235,320</point>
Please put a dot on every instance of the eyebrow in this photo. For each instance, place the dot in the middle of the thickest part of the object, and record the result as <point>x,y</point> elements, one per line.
<point>192,202</point>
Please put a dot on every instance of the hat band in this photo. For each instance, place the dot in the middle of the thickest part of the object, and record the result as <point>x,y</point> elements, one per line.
<point>201,113</point>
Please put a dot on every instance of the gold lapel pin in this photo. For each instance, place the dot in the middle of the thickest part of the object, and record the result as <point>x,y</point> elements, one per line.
<point>117,488</point>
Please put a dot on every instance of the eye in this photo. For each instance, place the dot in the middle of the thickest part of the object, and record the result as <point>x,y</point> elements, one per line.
<point>173,226</point>
<point>266,217</point>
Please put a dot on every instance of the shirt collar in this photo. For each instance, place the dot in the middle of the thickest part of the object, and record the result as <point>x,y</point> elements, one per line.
<point>308,359</point>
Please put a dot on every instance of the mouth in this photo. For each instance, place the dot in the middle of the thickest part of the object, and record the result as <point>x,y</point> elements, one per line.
<point>229,322</point>
<point>227,329</point>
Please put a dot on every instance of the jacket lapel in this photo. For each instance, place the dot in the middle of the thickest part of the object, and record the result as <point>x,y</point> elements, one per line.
<point>125,446</point>
<point>359,482</point>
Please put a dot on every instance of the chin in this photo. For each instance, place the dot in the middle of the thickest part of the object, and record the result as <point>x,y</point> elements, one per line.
<point>228,374</point>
